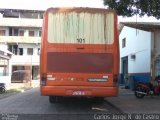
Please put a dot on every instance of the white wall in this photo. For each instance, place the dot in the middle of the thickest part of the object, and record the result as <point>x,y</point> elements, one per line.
<point>25,46</point>
<point>26,31</point>
<point>138,42</point>
<point>1,15</point>
<point>5,79</point>
<point>3,46</point>
<point>36,31</point>
<point>26,59</point>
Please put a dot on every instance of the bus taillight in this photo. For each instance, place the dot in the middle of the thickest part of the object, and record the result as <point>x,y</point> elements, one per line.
<point>115,79</point>
<point>43,79</point>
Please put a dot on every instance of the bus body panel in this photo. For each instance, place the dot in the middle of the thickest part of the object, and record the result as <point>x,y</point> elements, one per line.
<point>87,91</point>
<point>78,69</point>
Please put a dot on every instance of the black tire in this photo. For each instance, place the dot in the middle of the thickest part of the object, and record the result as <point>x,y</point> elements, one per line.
<point>53,99</point>
<point>2,90</point>
<point>139,95</point>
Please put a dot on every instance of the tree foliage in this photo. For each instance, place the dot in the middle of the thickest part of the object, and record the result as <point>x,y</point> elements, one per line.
<point>135,7</point>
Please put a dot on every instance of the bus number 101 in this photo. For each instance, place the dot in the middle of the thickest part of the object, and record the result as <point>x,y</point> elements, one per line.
<point>80,40</point>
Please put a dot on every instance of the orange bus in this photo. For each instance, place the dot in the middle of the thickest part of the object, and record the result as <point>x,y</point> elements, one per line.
<point>79,53</point>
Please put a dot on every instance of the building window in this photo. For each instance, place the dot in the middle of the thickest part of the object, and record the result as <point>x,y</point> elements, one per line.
<point>20,51</point>
<point>38,51</point>
<point>2,32</point>
<point>10,31</point>
<point>41,16</point>
<point>21,33</point>
<point>15,30</point>
<point>29,51</point>
<point>40,33</point>
<point>31,33</point>
<point>123,42</point>
<point>13,49</point>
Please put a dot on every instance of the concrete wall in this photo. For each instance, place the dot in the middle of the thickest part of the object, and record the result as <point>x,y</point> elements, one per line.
<point>27,59</point>
<point>26,31</point>
<point>7,78</point>
<point>36,31</point>
<point>1,15</point>
<point>138,43</point>
<point>3,46</point>
<point>25,46</point>
<point>23,22</point>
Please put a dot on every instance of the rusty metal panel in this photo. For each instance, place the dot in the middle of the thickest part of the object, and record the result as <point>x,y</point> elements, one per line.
<point>80,62</point>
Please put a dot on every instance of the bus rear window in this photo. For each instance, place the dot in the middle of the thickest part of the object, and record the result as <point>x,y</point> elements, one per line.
<point>81,28</point>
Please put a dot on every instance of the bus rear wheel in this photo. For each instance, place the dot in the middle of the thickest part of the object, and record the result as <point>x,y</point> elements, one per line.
<point>53,99</point>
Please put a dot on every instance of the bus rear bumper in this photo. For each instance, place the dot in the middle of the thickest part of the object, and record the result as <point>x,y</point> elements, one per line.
<point>79,91</point>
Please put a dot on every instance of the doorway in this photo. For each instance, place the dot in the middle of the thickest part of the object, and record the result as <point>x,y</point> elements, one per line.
<point>35,73</point>
<point>125,71</point>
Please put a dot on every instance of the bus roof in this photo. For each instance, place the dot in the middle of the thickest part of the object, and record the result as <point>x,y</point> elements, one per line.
<point>79,9</point>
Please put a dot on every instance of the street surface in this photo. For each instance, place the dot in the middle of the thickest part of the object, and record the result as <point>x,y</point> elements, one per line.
<point>32,105</point>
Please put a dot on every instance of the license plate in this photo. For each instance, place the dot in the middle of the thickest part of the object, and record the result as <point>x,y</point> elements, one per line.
<point>78,93</point>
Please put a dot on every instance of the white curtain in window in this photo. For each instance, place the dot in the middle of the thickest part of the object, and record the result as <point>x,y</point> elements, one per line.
<point>86,28</point>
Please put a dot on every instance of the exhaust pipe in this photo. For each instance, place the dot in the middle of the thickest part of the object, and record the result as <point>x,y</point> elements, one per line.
<point>141,92</point>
